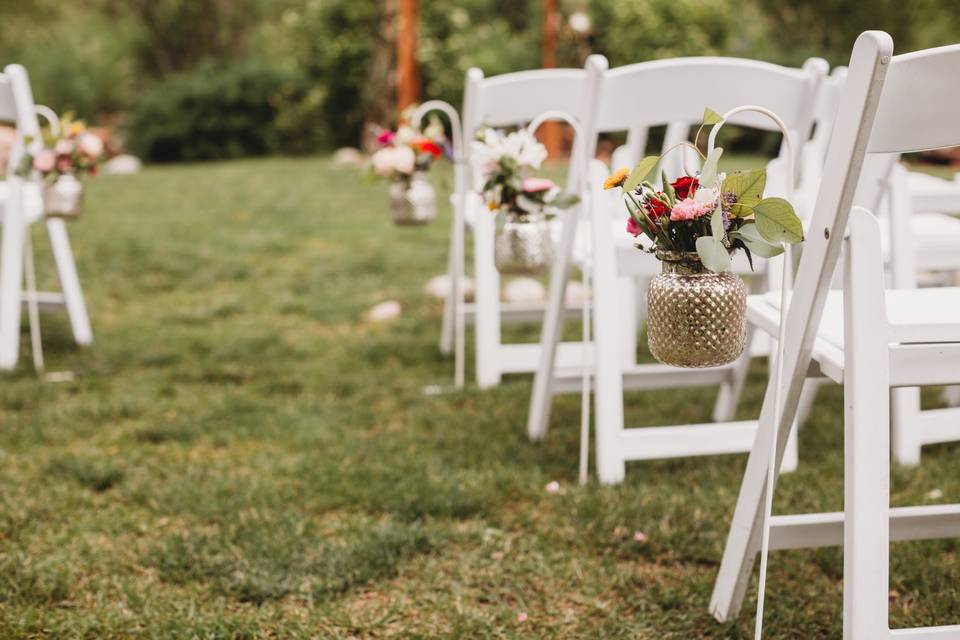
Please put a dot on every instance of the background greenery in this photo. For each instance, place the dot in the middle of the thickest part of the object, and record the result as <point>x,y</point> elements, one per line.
<point>241,456</point>
<point>306,75</point>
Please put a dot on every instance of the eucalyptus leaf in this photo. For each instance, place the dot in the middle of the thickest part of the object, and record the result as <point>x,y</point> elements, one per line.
<point>565,200</point>
<point>640,172</point>
<point>747,186</point>
<point>527,204</point>
<point>711,117</point>
<point>708,175</point>
<point>777,222</point>
<point>668,189</point>
<point>713,254</point>
<point>716,223</point>
<point>750,236</point>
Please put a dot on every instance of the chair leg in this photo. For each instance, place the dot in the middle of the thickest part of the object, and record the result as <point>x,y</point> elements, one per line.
<point>743,541</point>
<point>541,397</point>
<point>628,290</point>
<point>69,281</point>
<point>449,300</point>
<point>11,278</point>
<point>866,384</point>
<point>906,425</point>
<point>487,305</point>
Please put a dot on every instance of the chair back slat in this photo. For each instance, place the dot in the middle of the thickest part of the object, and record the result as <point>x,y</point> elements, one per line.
<point>514,99</point>
<point>918,109</point>
<point>677,90</point>
<point>845,158</point>
<point>8,108</point>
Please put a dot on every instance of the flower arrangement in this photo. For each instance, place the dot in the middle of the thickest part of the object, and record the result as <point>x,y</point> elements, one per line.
<point>712,214</point>
<point>407,150</point>
<point>76,151</point>
<point>505,160</point>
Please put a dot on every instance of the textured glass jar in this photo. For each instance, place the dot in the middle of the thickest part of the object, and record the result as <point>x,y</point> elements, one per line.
<point>413,201</point>
<point>695,317</point>
<point>63,198</point>
<point>524,245</point>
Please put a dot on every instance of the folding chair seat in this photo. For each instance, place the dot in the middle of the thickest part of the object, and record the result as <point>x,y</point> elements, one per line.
<point>871,339</point>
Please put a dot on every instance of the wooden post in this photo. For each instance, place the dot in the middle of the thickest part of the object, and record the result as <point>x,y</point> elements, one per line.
<point>550,132</point>
<point>408,72</point>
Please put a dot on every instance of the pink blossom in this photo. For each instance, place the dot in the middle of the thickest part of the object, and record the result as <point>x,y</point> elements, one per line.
<point>64,147</point>
<point>386,137</point>
<point>633,228</point>
<point>640,537</point>
<point>552,487</point>
<point>536,185</point>
<point>690,209</point>
<point>44,161</point>
<point>522,616</point>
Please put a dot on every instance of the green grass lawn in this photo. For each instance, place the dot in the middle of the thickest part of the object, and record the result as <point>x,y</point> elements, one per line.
<point>241,456</point>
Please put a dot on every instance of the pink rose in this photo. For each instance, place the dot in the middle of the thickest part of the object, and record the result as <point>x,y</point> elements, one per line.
<point>385,138</point>
<point>536,185</point>
<point>690,209</point>
<point>44,161</point>
<point>633,228</point>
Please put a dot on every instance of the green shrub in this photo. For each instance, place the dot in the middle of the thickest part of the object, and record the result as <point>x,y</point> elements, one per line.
<point>215,111</point>
<point>78,60</point>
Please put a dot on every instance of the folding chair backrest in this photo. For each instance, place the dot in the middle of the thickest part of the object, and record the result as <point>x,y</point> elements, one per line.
<point>676,91</point>
<point>890,105</point>
<point>8,107</point>
<point>515,99</point>
<point>17,108</point>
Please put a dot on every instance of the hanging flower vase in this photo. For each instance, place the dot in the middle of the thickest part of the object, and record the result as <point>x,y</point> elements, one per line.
<point>63,198</point>
<point>695,317</point>
<point>413,202</point>
<point>524,245</point>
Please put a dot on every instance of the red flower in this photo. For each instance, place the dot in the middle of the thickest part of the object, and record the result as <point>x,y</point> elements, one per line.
<point>685,186</point>
<point>427,146</point>
<point>656,208</point>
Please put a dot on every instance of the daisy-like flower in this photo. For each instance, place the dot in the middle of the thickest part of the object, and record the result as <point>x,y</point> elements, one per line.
<point>616,179</point>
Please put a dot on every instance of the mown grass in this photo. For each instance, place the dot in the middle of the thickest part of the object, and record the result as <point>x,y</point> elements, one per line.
<point>241,456</point>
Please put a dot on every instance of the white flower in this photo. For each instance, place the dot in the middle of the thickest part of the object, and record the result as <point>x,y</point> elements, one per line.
<point>405,135</point>
<point>63,147</point>
<point>525,149</point>
<point>91,145</point>
<point>390,160</point>
<point>404,159</point>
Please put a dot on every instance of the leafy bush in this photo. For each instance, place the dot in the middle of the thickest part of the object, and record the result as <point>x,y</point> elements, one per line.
<point>214,111</point>
<point>78,60</point>
<point>628,32</point>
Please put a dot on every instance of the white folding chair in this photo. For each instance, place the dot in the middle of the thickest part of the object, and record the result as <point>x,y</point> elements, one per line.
<point>869,339</point>
<point>507,100</point>
<point>22,203</point>
<point>624,105</point>
<point>916,241</point>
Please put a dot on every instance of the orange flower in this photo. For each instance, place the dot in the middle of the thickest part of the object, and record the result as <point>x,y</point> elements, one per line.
<point>616,179</point>
<point>491,205</point>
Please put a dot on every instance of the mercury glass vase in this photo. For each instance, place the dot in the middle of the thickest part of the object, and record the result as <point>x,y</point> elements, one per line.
<point>63,198</point>
<point>413,201</point>
<point>524,245</point>
<point>695,317</point>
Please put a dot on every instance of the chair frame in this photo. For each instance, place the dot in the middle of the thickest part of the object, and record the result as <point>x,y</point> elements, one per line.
<point>615,112</point>
<point>880,95</point>
<point>17,105</point>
